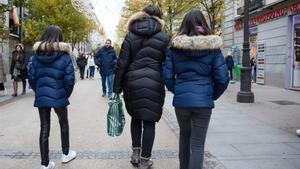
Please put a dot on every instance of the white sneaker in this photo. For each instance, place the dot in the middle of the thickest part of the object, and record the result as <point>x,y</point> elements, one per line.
<point>51,165</point>
<point>298,132</point>
<point>67,158</point>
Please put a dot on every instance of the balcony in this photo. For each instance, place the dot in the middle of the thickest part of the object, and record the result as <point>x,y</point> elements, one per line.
<point>254,4</point>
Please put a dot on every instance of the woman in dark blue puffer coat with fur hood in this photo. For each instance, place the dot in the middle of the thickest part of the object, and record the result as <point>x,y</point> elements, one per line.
<point>196,72</point>
<point>52,78</point>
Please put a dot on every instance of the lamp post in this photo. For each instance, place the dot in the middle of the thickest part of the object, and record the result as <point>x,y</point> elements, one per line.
<point>245,95</point>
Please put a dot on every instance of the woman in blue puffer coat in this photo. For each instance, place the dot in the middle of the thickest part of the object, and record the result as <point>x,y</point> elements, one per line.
<point>196,72</point>
<point>52,78</point>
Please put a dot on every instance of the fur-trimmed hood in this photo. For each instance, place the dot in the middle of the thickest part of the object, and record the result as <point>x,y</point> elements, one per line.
<point>139,16</point>
<point>209,42</point>
<point>58,47</point>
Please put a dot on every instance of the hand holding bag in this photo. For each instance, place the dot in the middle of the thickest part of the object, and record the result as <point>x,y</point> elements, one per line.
<point>115,117</point>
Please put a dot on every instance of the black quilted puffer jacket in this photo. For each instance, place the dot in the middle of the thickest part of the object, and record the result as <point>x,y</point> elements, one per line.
<point>139,68</point>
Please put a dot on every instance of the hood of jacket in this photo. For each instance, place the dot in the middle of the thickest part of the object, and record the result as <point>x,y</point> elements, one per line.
<point>60,48</point>
<point>143,24</point>
<point>197,46</point>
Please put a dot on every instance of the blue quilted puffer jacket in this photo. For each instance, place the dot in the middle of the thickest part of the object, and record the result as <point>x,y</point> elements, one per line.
<point>195,71</point>
<point>52,76</point>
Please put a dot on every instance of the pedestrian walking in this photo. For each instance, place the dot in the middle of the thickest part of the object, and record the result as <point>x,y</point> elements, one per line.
<point>106,61</point>
<point>81,63</point>
<point>196,72</point>
<point>139,76</point>
<point>3,79</point>
<point>18,69</point>
<point>253,65</point>
<point>91,66</point>
<point>230,64</point>
<point>52,78</point>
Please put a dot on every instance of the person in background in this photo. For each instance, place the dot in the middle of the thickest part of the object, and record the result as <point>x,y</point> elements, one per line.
<point>3,79</point>
<point>18,69</point>
<point>196,73</point>
<point>139,76</point>
<point>106,60</point>
<point>253,65</point>
<point>230,64</point>
<point>91,66</point>
<point>51,76</point>
<point>81,63</point>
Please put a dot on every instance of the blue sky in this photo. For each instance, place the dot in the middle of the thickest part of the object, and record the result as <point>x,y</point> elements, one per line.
<point>109,13</point>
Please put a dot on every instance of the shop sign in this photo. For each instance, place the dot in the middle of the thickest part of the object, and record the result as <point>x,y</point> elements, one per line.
<point>261,62</point>
<point>295,8</point>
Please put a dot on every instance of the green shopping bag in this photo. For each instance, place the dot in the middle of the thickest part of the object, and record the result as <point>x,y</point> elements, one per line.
<point>115,117</point>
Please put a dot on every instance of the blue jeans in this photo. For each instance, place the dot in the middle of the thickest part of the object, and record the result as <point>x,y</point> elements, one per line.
<point>92,71</point>
<point>109,79</point>
<point>193,124</point>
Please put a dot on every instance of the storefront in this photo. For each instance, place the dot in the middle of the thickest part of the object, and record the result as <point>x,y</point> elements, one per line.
<point>275,42</point>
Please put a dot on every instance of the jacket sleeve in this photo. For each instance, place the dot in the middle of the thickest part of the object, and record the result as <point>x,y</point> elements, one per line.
<point>97,58</point>
<point>12,65</point>
<point>32,75</point>
<point>168,71</point>
<point>220,75</point>
<point>122,65</point>
<point>69,77</point>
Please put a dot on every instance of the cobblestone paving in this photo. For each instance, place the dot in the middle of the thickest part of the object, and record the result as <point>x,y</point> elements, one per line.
<point>107,155</point>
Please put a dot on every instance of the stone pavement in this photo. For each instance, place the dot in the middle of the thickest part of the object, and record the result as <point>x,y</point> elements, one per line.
<point>241,136</point>
<point>253,136</point>
<point>19,124</point>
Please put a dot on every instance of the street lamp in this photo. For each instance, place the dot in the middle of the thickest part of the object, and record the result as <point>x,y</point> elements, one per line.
<point>245,95</point>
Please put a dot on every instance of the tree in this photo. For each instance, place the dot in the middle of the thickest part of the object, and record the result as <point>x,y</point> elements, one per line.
<point>173,12</point>
<point>75,25</point>
<point>213,10</point>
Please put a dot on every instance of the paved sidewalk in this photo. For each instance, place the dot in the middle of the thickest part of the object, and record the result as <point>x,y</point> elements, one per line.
<point>253,136</point>
<point>19,134</point>
<point>9,88</point>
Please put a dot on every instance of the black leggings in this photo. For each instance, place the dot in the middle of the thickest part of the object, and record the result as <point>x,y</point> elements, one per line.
<point>193,124</point>
<point>2,87</point>
<point>62,114</point>
<point>148,136</point>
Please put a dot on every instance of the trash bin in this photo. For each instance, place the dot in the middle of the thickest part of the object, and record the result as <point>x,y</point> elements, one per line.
<point>237,72</point>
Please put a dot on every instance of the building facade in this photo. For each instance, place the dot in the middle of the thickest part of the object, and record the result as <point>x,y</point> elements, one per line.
<point>274,38</point>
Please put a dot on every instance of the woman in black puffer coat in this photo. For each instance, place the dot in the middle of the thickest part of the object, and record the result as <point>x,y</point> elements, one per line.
<point>139,75</point>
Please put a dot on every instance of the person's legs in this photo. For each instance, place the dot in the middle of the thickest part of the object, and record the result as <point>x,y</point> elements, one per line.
<point>87,72</point>
<point>184,121</point>
<point>231,75</point>
<point>200,123</point>
<point>44,134</point>
<point>103,78</point>
<point>92,71</point>
<point>82,72</point>
<point>15,87</point>
<point>2,88</point>
<point>136,132</point>
<point>110,79</point>
<point>62,114</point>
<point>24,86</point>
<point>148,138</point>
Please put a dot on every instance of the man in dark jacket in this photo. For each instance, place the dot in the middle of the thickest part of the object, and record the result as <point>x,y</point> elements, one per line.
<point>230,64</point>
<point>106,59</point>
<point>81,63</point>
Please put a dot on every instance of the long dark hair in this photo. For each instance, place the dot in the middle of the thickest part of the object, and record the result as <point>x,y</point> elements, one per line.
<point>153,10</point>
<point>194,24</point>
<point>52,34</point>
